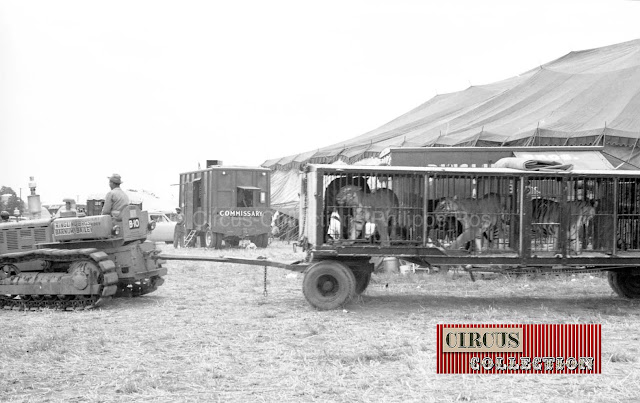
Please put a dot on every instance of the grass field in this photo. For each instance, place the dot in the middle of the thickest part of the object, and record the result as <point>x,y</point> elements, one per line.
<point>209,334</point>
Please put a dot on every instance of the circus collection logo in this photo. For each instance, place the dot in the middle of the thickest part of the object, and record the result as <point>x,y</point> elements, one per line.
<point>529,348</point>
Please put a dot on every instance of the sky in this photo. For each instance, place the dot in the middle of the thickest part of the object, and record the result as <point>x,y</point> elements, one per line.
<point>151,89</point>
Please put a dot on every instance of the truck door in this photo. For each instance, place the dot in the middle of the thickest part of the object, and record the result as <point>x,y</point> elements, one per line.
<point>188,205</point>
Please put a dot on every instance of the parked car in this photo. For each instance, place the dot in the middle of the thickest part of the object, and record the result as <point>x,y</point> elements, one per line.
<point>164,228</point>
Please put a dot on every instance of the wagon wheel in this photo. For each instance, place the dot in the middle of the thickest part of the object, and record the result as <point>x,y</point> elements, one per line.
<point>328,284</point>
<point>626,283</point>
<point>613,283</point>
<point>263,240</point>
<point>209,239</point>
<point>363,277</point>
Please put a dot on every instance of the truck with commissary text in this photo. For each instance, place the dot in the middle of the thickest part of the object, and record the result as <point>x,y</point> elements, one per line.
<point>226,204</point>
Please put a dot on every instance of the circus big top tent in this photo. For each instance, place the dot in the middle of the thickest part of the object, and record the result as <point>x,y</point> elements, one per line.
<point>588,97</point>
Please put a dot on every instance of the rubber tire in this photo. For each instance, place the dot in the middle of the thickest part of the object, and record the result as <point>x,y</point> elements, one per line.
<point>328,273</point>
<point>612,280</point>
<point>262,240</point>
<point>363,278</point>
<point>625,283</point>
<point>209,239</point>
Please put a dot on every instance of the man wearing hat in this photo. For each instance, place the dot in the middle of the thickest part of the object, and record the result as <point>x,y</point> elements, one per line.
<point>116,200</point>
<point>178,231</point>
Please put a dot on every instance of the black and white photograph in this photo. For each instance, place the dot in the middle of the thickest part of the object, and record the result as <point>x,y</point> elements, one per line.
<point>302,201</point>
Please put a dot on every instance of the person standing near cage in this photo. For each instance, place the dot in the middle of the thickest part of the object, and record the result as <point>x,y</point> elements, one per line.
<point>178,232</point>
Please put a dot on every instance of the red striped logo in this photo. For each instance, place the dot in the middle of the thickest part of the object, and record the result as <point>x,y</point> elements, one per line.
<point>514,349</point>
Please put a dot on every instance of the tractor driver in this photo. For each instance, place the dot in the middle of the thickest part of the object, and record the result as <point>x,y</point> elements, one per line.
<point>116,200</point>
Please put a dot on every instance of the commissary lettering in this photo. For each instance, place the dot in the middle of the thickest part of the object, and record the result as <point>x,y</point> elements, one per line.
<point>241,213</point>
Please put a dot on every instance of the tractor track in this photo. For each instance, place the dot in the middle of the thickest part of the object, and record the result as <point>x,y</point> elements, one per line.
<point>106,279</point>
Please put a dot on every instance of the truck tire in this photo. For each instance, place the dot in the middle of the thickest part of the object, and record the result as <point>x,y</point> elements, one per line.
<point>262,240</point>
<point>328,284</point>
<point>626,283</point>
<point>209,239</point>
<point>613,283</point>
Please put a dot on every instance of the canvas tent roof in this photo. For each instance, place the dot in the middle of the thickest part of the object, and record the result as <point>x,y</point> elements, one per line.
<point>285,188</point>
<point>583,98</point>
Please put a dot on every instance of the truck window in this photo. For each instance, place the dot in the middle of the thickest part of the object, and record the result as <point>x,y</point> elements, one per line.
<point>245,197</point>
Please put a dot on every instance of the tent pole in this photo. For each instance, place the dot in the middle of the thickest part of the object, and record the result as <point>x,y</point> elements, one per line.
<point>436,142</point>
<point>632,150</point>
<point>475,143</point>
<point>601,136</point>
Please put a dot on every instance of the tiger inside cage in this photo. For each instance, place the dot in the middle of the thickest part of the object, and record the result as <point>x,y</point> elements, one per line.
<point>482,211</point>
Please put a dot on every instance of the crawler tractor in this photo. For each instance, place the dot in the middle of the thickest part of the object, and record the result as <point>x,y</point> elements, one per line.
<point>77,262</point>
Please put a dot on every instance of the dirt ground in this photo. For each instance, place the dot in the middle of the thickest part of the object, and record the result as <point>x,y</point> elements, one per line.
<point>210,334</point>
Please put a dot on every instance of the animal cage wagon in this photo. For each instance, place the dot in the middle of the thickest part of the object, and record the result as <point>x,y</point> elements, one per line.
<point>508,219</point>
